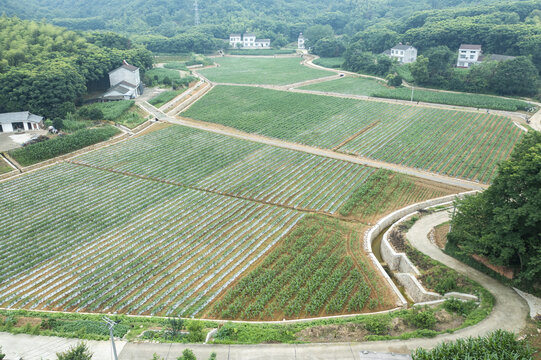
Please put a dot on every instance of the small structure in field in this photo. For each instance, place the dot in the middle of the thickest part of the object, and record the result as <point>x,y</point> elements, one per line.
<point>248,41</point>
<point>300,42</point>
<point>125,83</point>
<point>19,121</point>
<point>404,54</point>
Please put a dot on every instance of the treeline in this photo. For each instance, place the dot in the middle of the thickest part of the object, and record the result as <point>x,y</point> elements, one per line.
<point>279,20</point>
<point>46,69</point>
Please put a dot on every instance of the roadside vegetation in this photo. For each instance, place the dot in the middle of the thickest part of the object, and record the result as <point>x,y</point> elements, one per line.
<point>61,145</point>
<point>258,52</point>
<point>376,88</point>
<point>165,97</point>
<point>4,167</point>
<point>498,345</point>
<point>332,62</point>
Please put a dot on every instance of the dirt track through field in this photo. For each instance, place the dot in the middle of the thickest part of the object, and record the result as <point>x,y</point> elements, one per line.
<point>219,129</point>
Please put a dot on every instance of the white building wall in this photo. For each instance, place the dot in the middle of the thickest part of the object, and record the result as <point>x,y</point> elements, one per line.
<point>7,128</point>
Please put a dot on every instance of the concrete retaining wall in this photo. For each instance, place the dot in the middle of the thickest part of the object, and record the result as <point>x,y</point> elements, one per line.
<point>374,231</point>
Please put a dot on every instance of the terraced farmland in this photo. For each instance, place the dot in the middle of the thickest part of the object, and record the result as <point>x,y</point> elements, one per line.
<point>312,273</point>
<point>455,143</point>
<point>107,242</point>
<point>268,71</point>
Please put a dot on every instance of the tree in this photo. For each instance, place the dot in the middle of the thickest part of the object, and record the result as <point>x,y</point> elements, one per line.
<point>419,70</point>
<point>518,76</point>
<point>58,123</point>
<point>329,47</point>
<point>80,352</point>
<point>504,222</point>
<point>317,32</point>
<point>175,326</point>
<point>394,80</point>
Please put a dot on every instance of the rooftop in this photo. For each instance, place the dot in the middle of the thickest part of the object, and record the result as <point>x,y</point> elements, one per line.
<point>470,47</point>
<point>23,116</point>
<point>402,47</point>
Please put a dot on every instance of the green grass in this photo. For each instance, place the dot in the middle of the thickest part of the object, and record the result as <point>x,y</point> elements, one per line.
<point>176,65</point>
<point>113,110</point>
<point>333,63</point>
<point>261,52</point>
<point>375,88</point>
<point>49,149</point>
<point>404,72</point>
<point>4,167</point>
<point>349,85</point>
<point>279,71</point>
<point>131,118</point>
<point>457,143</point>
<point>159,74</point>
<point>165,97</point>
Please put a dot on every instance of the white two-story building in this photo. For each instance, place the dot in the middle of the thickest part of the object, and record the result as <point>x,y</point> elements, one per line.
<point>125,83</point>
<point>404,54</point>
<point>248,41</point>
<point>468,55</point>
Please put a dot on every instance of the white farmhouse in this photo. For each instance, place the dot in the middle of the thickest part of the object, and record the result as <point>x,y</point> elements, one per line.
<point>468,55</point>
<point>248,41</point>
<point>404,54</point>
<point>300,42</point>
<point>125,83</point>
<point>19,121</point>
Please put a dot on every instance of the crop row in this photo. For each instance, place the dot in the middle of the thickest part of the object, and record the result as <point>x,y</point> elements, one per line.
<point>308,275</point>
<point>233,166</point>
<point>465,145</point>
<point>127,245</point>
<point>456,143</point>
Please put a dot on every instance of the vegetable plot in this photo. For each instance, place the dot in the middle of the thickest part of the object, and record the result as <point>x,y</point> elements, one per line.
<point>107,242</point>
<point>456,143</point>
<point>309,274</point>
<point>236,167</point>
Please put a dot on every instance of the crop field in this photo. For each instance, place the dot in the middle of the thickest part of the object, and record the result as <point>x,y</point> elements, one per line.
<point>311,273</point>
<point>455,143</point>
<point>387,191</point>
<point>235,167</point>
<point>108,242</point>
<point>165,97</point>
<point>159,74</point>
<point>270,71</point>
<point>376,88</point>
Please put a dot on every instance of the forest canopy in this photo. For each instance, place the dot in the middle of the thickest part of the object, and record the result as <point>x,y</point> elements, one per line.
<point>45,69</point>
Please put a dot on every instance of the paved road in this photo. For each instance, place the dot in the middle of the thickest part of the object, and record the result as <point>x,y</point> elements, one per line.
<point>509,313</point>
<point>510,310</point>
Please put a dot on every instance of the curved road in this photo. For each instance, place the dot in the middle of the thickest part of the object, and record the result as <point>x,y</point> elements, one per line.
<point>510,313</point>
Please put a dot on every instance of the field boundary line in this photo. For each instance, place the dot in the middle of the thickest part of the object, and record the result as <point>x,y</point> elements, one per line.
<point>356,135</point>
<point>216,192</point>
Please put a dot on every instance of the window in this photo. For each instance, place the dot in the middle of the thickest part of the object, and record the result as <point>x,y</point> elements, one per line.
<point>1,130</point>
<point>472,57</point>
<point>463,56</point>
<point>29,126</point>
<point>463,51</point>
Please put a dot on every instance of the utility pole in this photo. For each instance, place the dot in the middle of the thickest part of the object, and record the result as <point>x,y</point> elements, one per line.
<point>196,12</point>
<point>111,324</point>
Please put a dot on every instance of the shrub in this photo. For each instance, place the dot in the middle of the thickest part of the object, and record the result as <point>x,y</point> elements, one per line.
<point>58,123</point>
<point>80,352</point>
<point>195,329</point>
<point>422,319</point>
<point>394,80</point>
<point>377,326</point>
<point>187,354</point>
<point>459,307</point>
